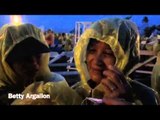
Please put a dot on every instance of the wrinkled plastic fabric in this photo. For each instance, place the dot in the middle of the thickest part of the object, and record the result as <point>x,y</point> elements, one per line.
<point>124,44</point>
<point>151,45</point>
<point>123,38</point>
<point>9,37</point>
<point>155,78</point>
<point>59,93</point>
<point>9,82</point>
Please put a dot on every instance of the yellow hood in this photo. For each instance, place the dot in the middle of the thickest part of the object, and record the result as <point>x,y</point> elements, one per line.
<point>124,44</point>
<point>10,36</point>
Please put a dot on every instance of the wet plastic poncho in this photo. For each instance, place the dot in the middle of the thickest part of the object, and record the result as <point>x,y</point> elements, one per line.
<point>10,36</point>
<point>123,38</point>
<point>155,78</point>
<point>59,94</point>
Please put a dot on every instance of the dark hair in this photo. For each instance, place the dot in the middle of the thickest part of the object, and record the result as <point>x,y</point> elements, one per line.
<point>91,42</point>
<point>148,30</point>
<point>63,34</point>
<point>158,27</point>
<point>50,31</point>
<point>145,19</point>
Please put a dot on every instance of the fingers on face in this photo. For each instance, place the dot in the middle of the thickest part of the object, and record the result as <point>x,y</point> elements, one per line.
<point>118,73</point>
<point>112,80</point>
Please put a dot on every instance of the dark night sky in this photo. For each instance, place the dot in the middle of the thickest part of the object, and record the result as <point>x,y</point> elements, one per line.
<point>65,23</point>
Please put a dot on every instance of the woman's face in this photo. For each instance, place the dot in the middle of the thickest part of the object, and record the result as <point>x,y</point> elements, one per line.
<point>27,67</point>
<point>99,56</point>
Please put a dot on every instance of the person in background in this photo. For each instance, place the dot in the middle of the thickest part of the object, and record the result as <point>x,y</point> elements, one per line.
<point>143,26</point>
<point>50,37</point>
<point>68,44</point>
<point>56,46</point>
<point>155,77</point>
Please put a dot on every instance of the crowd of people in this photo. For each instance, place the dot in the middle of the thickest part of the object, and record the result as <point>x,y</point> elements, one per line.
<point>104,55</point>
<point>59,42</point>
<point>150,40</point>
<point>148,34</point>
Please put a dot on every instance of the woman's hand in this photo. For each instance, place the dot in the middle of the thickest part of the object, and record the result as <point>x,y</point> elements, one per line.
<point>115,84</point>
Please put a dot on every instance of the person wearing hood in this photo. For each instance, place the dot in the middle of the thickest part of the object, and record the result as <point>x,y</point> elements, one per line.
<point>104,56</point>
<point>155,77</point>
<point>24,58</point>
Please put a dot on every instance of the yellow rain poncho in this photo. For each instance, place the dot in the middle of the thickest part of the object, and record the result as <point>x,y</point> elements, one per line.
<point>123,38</point>
<point>10,82</point>
<point>155,79</point>
<point>59,94</point>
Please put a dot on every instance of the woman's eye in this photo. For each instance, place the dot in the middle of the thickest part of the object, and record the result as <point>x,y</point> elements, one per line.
<point>108,53</point>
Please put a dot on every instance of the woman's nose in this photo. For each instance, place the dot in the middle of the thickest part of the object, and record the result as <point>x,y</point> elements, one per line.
<point>98,60</point>
<point>35,62</point>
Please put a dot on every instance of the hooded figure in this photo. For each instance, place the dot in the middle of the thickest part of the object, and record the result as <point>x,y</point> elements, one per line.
<point>155,78</point>
<point>121,37</point>
<point>24,58</point>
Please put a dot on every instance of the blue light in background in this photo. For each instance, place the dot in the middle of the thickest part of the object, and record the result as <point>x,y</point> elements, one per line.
<point>66,23</point>
<point>4,19</point>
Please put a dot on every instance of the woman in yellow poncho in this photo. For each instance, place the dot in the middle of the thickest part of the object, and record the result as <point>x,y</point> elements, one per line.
<point>155,78</point>
<point>24,58</point>
<point>104,56</point>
